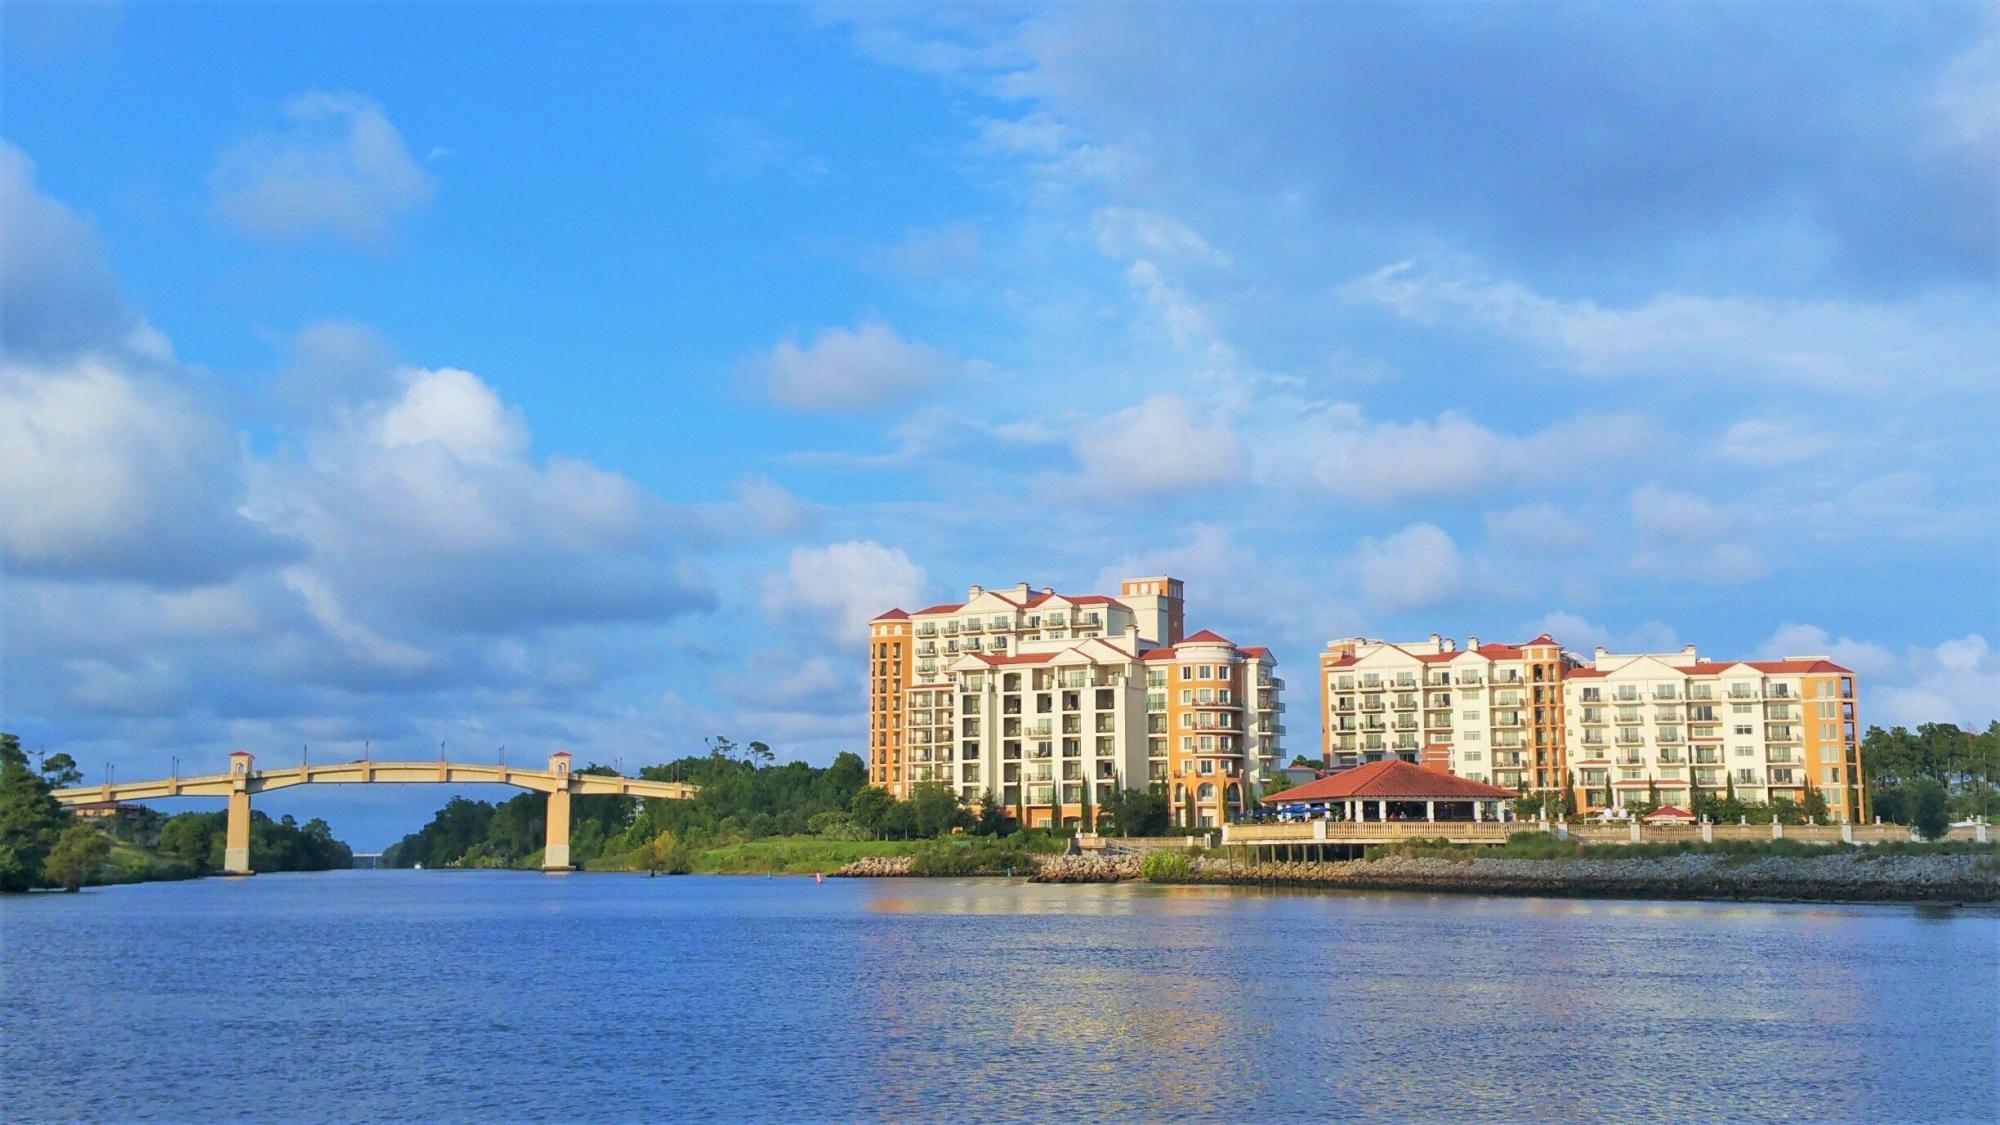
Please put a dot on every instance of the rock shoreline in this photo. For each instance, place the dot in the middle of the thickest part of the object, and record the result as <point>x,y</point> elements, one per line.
<point>1842,877</point>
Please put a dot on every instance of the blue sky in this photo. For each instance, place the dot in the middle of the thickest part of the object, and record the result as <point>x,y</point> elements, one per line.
<point>582,375</point>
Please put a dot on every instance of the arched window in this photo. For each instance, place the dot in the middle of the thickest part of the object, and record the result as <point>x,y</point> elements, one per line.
<point>1206,793</point>
<point>1234,795</point>
<point>1180,794</point>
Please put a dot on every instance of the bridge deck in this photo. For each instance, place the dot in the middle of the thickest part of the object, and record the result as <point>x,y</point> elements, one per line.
<point>367,772</point>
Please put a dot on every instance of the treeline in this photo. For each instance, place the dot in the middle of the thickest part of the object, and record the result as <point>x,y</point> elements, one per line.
<point>43,844</point>
<point>743,794</point>
<point>1907,769</point>
<point>198,838</point>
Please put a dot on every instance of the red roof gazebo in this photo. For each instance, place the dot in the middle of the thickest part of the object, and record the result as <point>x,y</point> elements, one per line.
<point>1395,789</point>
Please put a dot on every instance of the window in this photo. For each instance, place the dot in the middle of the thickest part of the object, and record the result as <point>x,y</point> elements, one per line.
<point>1187,671</point>
<point>1187,696</point>
<point>1207,672</point>
<point>1473,755</point>
<point>1744,730</point>
<point>1473,736</point>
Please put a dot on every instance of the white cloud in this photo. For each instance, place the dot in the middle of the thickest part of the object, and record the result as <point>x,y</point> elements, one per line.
<point>1954,681</point>
<point>1676,515</point>
<point>56,296</point>
<point>455,410</point>
<point>1758,441</point>
<point>338,167</point>
<point>1581,635</point>
<point>106,471</point>
<point>1414,568</point>
<point>943,253</point>
<point>845,585</point>
<point>1333,447</point>
<point>1866,658</point>
<point>1164,444</point>
<point>426,508</point>
<point>844,369</point>
<point>1138,233</point>
<point>1536,529</point>
<point>1942,338</point>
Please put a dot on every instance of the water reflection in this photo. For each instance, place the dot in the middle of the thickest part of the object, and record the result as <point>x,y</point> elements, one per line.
<point>397,994</point>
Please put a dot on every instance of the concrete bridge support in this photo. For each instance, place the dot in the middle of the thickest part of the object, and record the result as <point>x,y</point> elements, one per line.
<point>555,844</point>
<point>236,839</point>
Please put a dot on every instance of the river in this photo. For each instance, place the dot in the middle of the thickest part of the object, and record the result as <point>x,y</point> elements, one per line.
<point>502,995</point>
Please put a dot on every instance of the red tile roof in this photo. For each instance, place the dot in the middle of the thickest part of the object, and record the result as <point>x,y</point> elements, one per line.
<point>943,607</point>
<point>1164,652</point>
<point>1812,665</point>
<point>1017,658</point>
<point>1394,780</point>
<point>1255,650</point>
<point>892,615</point>
<point>1207,636</point>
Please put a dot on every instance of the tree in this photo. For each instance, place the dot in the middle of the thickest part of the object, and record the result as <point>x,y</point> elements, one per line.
<point>934,809</point>
<point>1927,809</point>
<point>990,817</point>
<point>79,854</point>
<point>1086,814</point>
<point>30,819</point>
<point>665,852</point>
<point>59,770</point>
<point>870,809</point>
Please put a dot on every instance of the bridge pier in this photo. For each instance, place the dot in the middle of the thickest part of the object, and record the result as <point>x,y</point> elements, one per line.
<point>236,838</point>
<point>555,845</point>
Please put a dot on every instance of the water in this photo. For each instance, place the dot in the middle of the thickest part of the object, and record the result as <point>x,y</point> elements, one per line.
<point>499,995</point>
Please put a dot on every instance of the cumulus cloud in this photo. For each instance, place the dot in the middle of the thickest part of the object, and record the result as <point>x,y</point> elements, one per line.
<point>337,167</point>
<point>107,472</point>
<point>855,369</point>
<point>428,506</point>
<point>1164,444</point>
<point>1866,658</point>
<point>1414,568</point>
<point>1953,681</point>
<point>844,586</point>
<point>56,295</point>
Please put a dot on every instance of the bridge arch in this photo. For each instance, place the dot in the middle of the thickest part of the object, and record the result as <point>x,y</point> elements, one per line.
<point>243,779</point>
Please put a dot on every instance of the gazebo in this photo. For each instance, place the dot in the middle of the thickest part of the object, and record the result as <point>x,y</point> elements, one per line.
<point>1394,789</point>
<point>1669,814</point>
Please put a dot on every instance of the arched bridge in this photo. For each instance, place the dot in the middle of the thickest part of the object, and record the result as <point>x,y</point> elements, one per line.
<point>243,779</point>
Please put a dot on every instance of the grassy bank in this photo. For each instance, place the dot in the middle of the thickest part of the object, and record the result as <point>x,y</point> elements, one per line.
<point>130,863</point>
<point>776,855</point>
<point>807,855</point>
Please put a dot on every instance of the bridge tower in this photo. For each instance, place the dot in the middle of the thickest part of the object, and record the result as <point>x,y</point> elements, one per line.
<point>236,840</point>
<point>555,846</point>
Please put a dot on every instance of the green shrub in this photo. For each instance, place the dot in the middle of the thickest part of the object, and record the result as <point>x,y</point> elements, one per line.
<point>1166,866</point>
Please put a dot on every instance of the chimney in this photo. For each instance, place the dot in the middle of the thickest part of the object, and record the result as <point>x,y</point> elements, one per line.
<point>1472,642</point>
<point>974,592</point>
<point>1687,651</point>
<point>1048,589</point>
<point>1132,637</point>
<point>1600,652</point>
<point>1434,642</point>
<point>1021,590</point>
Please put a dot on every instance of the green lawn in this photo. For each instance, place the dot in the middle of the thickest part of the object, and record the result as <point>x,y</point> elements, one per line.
<point>793,855</point>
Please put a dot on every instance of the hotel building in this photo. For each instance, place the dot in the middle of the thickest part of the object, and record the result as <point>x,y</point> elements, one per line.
<point>1617,729</point>
<point>1032,695</point>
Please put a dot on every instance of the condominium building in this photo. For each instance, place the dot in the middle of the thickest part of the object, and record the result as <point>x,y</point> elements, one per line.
<point>1615,729</point>
<point>1667,724</point>
<point>1490,712</point>
<point>1032,695</point>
